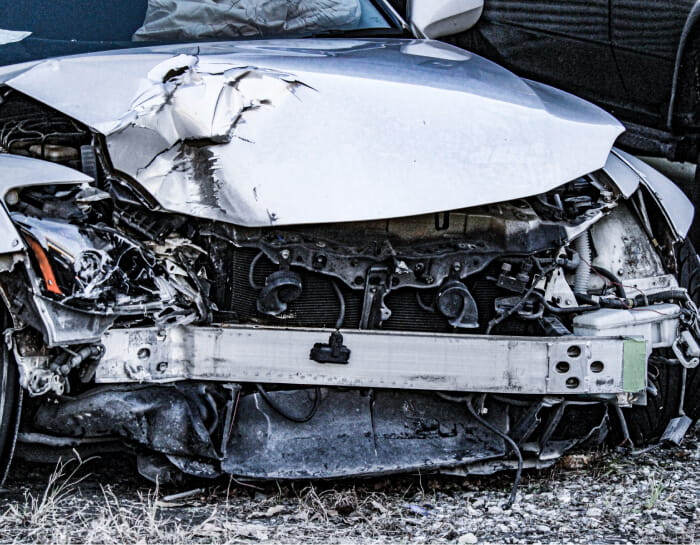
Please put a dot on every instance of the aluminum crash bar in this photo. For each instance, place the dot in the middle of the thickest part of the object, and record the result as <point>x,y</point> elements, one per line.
<point>377,359</point>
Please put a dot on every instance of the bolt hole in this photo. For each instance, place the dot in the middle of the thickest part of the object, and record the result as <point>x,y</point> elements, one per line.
<point>562,367</point>
<point>597,366</point>
<point>143,353</point>
<point>572,382</point>
<point>359,280</point>
<point>574,351</point>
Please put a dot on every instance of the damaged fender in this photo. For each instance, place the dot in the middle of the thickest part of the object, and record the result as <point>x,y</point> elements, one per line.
<point>16,172</point>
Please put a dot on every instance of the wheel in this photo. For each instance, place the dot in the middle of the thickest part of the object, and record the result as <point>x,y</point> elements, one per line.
<point>10,402</point>
<point>647,424</point>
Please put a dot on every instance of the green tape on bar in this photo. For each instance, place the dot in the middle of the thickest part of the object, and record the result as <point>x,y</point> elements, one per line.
<point>634,370</point>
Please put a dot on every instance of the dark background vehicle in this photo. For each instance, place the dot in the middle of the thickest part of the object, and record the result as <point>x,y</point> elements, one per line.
<point>638,59</point>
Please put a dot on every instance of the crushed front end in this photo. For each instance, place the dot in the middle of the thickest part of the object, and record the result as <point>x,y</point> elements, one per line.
<point>466,340</point>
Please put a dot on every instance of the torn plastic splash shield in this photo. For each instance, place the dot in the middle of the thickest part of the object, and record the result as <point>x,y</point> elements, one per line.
<point>524,365</point>
<point>352,432</point>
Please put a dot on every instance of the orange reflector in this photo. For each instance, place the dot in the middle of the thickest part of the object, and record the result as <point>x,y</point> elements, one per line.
<point>44,266</point>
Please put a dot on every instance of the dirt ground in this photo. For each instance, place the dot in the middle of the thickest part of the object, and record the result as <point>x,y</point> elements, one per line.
<point>603,497</point>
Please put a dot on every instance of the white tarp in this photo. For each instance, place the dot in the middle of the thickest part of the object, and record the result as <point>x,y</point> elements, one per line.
<point>183,20</point>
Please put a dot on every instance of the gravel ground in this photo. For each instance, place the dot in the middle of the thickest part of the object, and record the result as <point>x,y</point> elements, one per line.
<point>604,497</point>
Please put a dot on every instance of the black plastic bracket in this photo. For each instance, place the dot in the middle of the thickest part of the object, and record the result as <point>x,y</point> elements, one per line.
<point>332,352</point>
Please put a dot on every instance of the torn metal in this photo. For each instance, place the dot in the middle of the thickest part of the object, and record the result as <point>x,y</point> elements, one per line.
<point>247,258</point>
<point>356,432</point>
<point>197,131</point>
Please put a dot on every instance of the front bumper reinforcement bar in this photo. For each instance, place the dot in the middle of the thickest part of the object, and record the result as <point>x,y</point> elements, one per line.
<point>378,359</point>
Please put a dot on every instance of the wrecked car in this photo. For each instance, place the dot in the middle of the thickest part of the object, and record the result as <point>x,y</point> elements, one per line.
<point>276,255</point>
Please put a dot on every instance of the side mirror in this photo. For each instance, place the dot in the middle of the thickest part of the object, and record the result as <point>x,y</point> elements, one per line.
<point>437,18</point>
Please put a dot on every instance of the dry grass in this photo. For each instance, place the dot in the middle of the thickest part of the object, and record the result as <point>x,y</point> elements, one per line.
<point>648,500</point>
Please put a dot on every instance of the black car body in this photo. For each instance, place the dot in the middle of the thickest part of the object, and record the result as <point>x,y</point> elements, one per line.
<point>638,59</point>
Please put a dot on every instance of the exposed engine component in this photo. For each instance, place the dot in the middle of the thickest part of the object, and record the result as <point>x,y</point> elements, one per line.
<point>281,288</point>
<point>114,290</point>
<point>456,303</point>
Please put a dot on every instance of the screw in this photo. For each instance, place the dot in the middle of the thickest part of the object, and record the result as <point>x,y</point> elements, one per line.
<point>284,254</point>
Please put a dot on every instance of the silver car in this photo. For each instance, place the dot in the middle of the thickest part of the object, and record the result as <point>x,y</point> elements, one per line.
<point>303,239</point>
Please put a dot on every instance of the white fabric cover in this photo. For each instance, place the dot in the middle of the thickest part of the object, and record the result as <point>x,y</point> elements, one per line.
<point>183,20</point>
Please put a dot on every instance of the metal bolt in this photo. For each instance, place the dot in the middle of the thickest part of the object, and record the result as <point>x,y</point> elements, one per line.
<point>456,266</point>
<point>284,254</point>
<point>15,242</point>
<point>162,366</point>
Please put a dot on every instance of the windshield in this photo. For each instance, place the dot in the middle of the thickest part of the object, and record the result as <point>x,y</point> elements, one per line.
<point>182,20</point>
<point>37,29</point>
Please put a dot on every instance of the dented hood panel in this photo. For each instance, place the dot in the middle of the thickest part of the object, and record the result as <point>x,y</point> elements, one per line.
<point>310,131</point>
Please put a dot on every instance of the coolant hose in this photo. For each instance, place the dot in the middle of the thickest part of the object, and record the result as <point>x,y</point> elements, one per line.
<point>582,245</point>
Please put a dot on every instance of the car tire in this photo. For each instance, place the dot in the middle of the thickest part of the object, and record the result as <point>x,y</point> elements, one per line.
<point>10,401</point>
<point>647,424</point>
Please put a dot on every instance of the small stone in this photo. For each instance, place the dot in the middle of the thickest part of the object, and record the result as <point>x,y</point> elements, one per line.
<point>495,510</point>
<point>543,529</point>
<point>467,539</point>
<point>594,512</point>
<point>564,497</point>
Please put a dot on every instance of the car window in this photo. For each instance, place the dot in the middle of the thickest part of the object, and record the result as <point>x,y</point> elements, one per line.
<point>183,20</point>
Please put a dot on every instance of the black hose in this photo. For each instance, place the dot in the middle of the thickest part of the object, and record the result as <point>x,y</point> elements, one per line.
<point>616,282</point>
<point>660,297</point>
<point>514,447</point>
<point>422,305</point>
<point>341,302</point>
<point>251,271</point>
<point>282,413</point>
<point>495,321</point>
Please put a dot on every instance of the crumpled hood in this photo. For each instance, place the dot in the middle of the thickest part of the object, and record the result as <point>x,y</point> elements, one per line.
<point>286,132</point>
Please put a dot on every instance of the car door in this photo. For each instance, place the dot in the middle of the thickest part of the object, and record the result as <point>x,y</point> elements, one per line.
<point>645,38</point>
<point>565,43</point>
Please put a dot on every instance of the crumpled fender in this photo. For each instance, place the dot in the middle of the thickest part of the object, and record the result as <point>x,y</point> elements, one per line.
<point>17,171</point>
<point>627,171</point>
